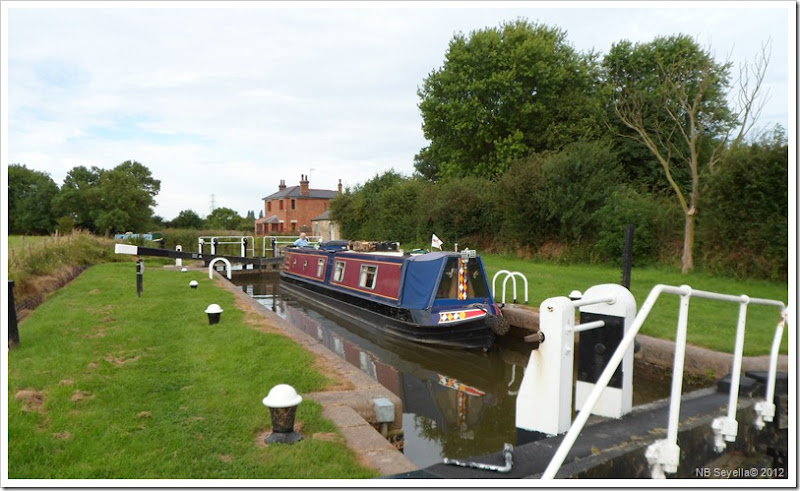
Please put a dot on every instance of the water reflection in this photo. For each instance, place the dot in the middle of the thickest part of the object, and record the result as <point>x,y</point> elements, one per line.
<point>456,403</point>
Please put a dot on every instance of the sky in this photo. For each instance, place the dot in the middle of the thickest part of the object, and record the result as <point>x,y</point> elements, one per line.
<point>223,100</point>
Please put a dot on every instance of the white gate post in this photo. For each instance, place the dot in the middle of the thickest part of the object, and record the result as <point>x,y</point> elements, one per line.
<point>544,401</point>
<point>614,402</point>
<point>178,261</point>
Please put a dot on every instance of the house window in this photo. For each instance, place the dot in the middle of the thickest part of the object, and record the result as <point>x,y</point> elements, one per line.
<point>293,204</point>
<point>320,267</point>
<point>338,271</point>
<point>280,204</point>
<point>367,278</point>
<point>269,205</point>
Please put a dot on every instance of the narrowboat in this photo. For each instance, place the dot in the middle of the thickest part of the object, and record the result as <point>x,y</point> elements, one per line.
<point>439,298</point>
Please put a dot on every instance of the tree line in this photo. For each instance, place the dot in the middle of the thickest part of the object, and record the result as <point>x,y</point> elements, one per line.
<point>101,201</point>
<point>539,149</point>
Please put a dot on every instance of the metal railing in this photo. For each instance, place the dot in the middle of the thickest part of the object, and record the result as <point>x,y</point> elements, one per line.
<point>214,241</point>
<point>509,275</point>
<point>664,455</point>
<point>277,242</point>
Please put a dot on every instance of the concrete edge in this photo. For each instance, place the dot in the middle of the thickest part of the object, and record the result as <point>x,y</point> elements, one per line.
<point>350,410</point>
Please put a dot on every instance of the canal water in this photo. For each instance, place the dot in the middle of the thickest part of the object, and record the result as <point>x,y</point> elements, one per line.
<point>456,403</point>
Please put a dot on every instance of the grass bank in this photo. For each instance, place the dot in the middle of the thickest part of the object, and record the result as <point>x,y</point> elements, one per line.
<point>712,324</point>
<point>106,384</point>
<point>41,264</point>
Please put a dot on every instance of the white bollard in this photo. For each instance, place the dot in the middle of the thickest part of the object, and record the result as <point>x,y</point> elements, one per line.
<point>178,261</point>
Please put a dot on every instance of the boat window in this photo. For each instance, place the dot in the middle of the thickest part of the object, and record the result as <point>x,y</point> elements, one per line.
<point>476,283</point>
<point>320,267</point>
<point>368,274</point>
<point>338,273</point>
<point>448,285</point>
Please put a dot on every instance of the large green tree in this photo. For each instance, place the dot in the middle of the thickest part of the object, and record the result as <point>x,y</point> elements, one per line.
<point>79,196</point>
<point>119,199</point>
<point>672,96</point>
<point>225,219</point>
<point>187,219</point>
<point>30,196</point>
<point>503,93</point>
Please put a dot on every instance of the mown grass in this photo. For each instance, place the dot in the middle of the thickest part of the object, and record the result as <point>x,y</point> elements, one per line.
<point>106,384</point>
<point>712,324</point>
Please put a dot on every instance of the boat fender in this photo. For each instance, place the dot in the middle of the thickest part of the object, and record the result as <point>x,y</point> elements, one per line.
<point>499,324</point>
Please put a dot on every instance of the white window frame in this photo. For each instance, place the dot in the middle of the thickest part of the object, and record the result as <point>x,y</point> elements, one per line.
<point>338,273</point>
<point>365,271</point>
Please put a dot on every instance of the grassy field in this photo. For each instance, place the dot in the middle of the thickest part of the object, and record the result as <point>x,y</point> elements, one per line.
<point>106,384</point>
<point>712,324</point>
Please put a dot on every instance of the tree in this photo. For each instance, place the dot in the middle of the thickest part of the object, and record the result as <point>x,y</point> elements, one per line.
<point>30,197</point>
<point>79,196</point>
<point>503,93</point>
<point>672,94</point>
<point>187,219</point>
<point>119,199</point>
<point>225,219</point>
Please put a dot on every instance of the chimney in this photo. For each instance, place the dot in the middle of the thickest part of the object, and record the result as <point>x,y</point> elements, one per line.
<point>282,185</point>
<point>340,186</point>
<point>303,185</point>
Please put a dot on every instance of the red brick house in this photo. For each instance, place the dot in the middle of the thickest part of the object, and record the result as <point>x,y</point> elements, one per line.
<point>292,209</point>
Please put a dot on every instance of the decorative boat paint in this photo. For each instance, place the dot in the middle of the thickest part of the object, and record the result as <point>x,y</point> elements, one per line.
<point>438,298</point>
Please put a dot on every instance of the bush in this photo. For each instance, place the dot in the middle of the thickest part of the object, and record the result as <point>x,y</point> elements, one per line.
<point>462,210</point>
<point>744,225</point>
<point>626,206</point>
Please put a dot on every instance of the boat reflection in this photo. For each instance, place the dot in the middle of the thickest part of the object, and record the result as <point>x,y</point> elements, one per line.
<point>456,403</point>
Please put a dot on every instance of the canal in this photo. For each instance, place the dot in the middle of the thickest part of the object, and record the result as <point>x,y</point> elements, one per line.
<point>456,403</point>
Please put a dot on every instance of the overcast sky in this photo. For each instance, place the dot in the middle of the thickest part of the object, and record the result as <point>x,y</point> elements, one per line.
<point>225,100</point>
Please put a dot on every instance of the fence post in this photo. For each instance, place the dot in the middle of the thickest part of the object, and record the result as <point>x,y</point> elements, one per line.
<point>13,330</point>
<point>627,256</point>
<point>139,277</point>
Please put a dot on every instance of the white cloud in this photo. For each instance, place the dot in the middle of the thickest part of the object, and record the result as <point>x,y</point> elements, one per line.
<point>228,101</point>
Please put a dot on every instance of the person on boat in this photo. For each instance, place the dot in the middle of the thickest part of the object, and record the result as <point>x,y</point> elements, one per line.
<point>302,241</point>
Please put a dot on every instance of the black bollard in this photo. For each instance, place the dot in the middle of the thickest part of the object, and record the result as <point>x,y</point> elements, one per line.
<point>139,277</point>
<point>627,256</point>
<point>13,330</point>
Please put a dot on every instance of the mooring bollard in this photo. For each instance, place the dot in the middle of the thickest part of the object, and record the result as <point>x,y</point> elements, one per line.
<point>282,402</point>
<point>193,285</point>
<point>139,277</point>
<point>13,330</point>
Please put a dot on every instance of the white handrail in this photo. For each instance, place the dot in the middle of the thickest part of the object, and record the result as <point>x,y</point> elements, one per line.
<point>509,274</point>
<point>668,459</point>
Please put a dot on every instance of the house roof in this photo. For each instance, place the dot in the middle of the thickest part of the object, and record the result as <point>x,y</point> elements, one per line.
<point>294,192</point>
<point>272,219</point>
<point>326,215</point>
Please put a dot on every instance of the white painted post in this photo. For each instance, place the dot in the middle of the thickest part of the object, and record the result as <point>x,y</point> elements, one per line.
<point>244,246</point>
<point>612,300</point>
<point>544,401</point>
<point>211,267</point>
<point>726,427</point>
<point>178,261</point>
